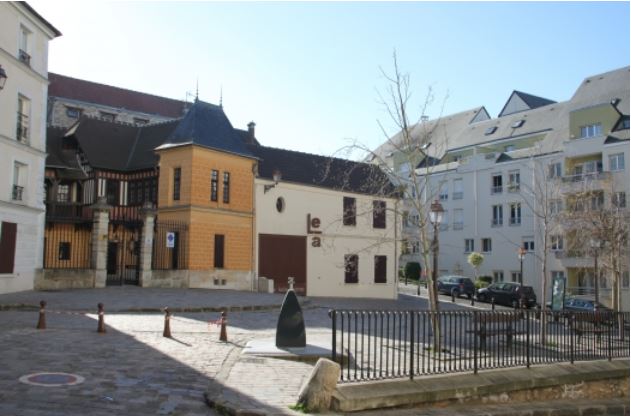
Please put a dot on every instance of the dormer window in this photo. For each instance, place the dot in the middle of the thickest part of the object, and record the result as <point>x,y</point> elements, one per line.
<point>518,124</point>
<point>107,116</point>
<point>73,112</point>
<point>490,131</point>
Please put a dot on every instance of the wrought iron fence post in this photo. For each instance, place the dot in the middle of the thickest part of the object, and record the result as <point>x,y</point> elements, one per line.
<point>476,330</point>
<point>332,314</point>
<point>527,339</point>
<point>411,345</point>
<point>571,326</point>
<point>609,341</point>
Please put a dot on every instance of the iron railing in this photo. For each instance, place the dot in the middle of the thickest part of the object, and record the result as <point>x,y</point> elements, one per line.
<point>170,245</point>
<point>377,344</point>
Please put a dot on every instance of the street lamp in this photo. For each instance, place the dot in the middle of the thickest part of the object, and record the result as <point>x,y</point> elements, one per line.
<point>595,245</point>
<point>435,217</point>
<point>276,175</point>
<point>3,77</point>
<point>521,253</point>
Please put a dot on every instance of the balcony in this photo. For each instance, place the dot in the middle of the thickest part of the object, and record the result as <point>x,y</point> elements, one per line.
<point>17,193</point>
<point>24,57</point>
<point>497,222</point>
<point>67,212</point>
<point>585,177</point>
<point>496,190</point>
<point>513,187</point>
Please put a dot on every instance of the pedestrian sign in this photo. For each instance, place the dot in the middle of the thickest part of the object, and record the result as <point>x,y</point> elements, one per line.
<point>170,240</point>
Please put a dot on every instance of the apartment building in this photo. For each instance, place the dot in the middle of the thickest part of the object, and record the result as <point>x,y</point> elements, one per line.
<point>519,181</point>
<point>24,37</point>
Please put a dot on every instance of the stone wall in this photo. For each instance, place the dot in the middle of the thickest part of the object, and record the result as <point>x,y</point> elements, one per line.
<point>60,279</point>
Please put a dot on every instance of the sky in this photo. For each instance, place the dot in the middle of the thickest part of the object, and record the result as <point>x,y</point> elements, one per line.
<point>310,74</point>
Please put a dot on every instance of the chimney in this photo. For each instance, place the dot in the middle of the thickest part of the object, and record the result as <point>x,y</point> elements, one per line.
<point>251,135</point>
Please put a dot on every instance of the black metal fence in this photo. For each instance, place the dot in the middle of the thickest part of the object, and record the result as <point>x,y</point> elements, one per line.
<point>170,245</point>
<point>372,345</point>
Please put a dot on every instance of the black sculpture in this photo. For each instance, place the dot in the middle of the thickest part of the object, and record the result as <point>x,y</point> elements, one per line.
<point>290,330</point>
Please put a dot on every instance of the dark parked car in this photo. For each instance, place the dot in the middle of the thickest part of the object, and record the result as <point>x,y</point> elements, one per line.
<point>456,285</point>
<point>508,294</point>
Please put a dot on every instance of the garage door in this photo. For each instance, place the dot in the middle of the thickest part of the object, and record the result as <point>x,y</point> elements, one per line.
<point>281,256</point>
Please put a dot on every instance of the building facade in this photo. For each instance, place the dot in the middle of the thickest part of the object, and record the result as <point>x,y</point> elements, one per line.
<point>328,223</point>
<point>24,37</point>
<point>524,180</point>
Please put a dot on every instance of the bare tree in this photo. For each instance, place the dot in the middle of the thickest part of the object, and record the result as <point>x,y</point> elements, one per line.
<point>407,158</point>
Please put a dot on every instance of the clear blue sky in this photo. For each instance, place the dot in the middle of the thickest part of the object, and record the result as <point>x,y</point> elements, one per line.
<point>308,73</point>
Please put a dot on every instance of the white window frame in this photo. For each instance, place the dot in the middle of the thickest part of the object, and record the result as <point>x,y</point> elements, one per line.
<point>555,170</point>
<point>458,189</point>
<point>498,276</point>
<point>469,245</point>
<point>514,180</point>
<point>490,245</point>
<point>458,219</point>
<point>618,158</point>
<point>591,130</point>
<point>556,242</point>
<point>515,213</point>
<point>497,215</point>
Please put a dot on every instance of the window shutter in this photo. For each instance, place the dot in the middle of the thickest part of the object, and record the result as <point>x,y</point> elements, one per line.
<point>7,246</point>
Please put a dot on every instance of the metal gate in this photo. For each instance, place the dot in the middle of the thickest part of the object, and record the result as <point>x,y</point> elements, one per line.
<point>123,253</point>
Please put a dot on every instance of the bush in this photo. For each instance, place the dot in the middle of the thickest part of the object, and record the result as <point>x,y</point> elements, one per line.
<point>483,281</point>
<point>412,270</point>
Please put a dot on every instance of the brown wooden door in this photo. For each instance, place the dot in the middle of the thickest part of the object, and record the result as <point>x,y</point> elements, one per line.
<point>282,256</point>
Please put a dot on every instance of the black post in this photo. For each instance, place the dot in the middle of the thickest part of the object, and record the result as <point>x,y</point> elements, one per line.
<point>411,345</point>
<point>596,283</point>
<point>332,314</point>
<point>527,339</point>
<point>571,326</point>
<point>476,332</point>
<point>493,303</point>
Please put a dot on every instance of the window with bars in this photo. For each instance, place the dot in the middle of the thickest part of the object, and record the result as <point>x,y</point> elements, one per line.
<point>226,187</point>
<point>380,269</point>
<point>177,179</point>
<point>379,214</point>
<point>351,267</point>
<point>214,178</point>
<point>350,211</point>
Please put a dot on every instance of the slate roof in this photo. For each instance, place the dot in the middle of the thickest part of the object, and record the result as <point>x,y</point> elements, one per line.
<point>323,171</point>
<point>206,125</point>
<point>92,92</point>
<point>111,146</point>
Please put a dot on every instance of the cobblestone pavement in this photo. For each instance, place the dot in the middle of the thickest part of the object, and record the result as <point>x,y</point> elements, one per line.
<point>133,370</point>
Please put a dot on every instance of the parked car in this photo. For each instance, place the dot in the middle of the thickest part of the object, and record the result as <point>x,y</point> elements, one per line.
<point>456,285</point>
<point>507,293</point>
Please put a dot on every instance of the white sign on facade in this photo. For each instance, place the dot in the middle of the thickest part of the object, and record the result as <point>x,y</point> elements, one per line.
<point>170,240</point>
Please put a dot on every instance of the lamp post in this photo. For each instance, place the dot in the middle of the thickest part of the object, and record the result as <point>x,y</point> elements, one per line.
<point>276,175</point>
<point>521,253</point>
<point>595,245</point>
<point>3,77</point>
<point>435,217</point>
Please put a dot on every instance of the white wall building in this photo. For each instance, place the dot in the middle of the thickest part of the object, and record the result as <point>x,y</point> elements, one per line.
<point>24,37</point>
<point>497,178</point>
<point>326,223</point>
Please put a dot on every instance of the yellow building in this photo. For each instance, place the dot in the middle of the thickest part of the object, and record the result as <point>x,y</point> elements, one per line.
<point>206,181</point>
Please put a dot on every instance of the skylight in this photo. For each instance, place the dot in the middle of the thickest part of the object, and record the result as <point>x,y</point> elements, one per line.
<point>490,130</point>
<point>518,124</point>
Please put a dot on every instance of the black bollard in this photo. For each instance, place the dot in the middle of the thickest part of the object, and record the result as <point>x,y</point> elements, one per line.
<point>223,335</point>
<point>493,303</point>
<point>472,300</point>
<point>101,327</point>
<point>167,323</point>
<point>453,296</point>
<point>41,322</point>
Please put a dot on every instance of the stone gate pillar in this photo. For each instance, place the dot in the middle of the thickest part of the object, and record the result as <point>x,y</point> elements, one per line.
<point>100,226</point>
<point>146,245</point>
